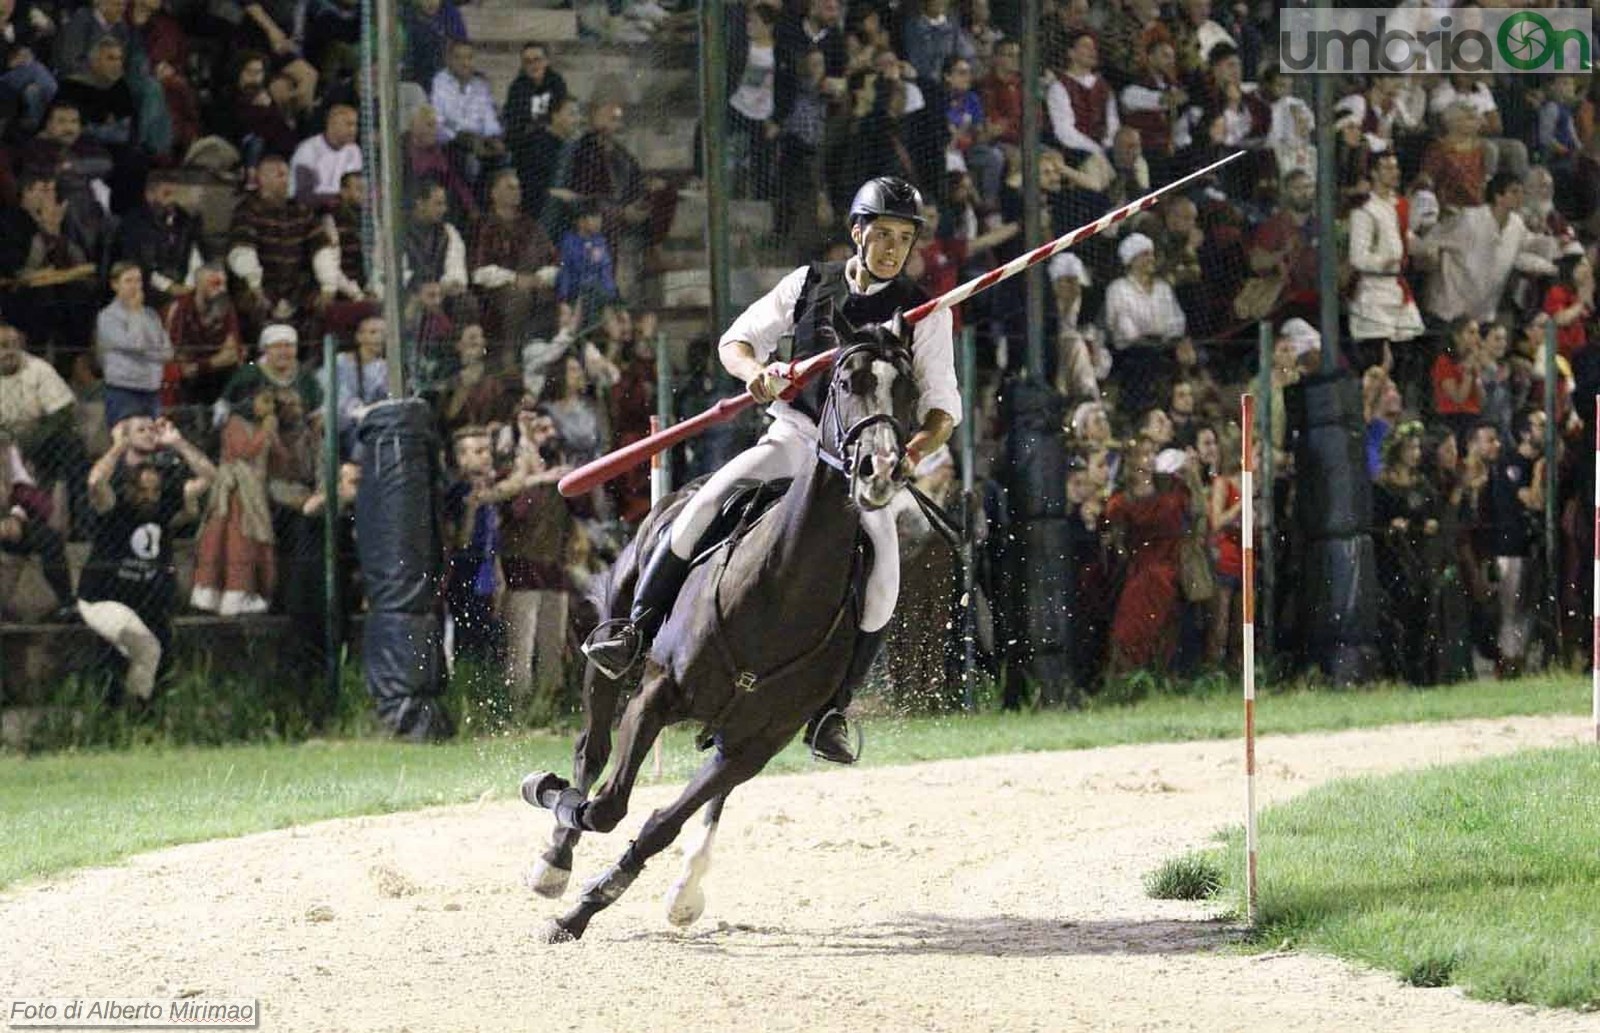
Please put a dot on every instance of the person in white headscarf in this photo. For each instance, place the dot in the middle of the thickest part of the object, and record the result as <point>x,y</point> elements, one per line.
<point>1082,360</point>
<point>1144,320</point>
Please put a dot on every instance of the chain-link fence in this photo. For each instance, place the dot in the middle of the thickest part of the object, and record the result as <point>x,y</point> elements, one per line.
<point>505,210</point>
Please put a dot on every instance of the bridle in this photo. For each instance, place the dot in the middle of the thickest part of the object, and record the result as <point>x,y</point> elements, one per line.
<point>848,459</point>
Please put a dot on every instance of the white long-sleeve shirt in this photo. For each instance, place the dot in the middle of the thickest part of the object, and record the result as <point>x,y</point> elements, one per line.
<point>1064,120</point>
<point>1133,313</point>
<point>1380,307</point>
<point>455,260</point>
<point>933,364</point>
<point>1475,256</point>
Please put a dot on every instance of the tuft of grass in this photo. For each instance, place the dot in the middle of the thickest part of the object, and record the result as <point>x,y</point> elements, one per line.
<point>1480,876</point>
<point>1194,876</point>
<point>87,806</point>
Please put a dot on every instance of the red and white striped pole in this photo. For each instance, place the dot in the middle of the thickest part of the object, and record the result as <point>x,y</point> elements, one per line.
<point>1247,521</point>
<point>1594,594</point>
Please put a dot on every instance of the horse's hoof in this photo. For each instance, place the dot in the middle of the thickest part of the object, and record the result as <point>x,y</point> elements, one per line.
<point>542,788</point>
<point>547,880</point>
<point>686,902</point>
<point>555,932</point>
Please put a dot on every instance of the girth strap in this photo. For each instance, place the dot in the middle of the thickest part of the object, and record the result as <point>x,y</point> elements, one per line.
<point>746,680</point>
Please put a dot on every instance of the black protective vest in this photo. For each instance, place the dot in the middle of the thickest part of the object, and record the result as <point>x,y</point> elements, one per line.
<point>827,300</point>
<point>828,309</point>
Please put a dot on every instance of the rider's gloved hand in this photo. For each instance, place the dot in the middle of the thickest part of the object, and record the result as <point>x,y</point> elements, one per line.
<point>774,382</point>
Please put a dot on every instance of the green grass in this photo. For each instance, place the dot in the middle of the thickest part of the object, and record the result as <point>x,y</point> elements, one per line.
<point>1481,875</point>
<point>67,810</point>
<point>1192,876</point>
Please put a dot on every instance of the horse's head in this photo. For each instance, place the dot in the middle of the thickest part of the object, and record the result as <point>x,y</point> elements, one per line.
<point>871,400</point>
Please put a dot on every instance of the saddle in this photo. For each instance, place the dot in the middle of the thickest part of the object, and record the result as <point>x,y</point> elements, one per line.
<point>745,504</point>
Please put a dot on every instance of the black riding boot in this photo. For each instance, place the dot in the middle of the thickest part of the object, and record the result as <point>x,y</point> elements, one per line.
<point>828,734</point>
<point>615,646</point>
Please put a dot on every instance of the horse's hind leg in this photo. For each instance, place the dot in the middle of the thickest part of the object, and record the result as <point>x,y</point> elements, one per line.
<point>552,869</point>
<point>686,899</point>
<point>716,778</point>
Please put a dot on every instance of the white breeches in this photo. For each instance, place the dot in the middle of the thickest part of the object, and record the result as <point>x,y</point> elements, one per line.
<point>785,450</point>
<point>119,625</point>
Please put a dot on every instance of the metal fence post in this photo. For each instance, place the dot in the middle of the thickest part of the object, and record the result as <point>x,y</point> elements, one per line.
<point>714,155</point>
<point>969,449</point>
<point>330,518</point>
<point>1552,566</point>
<point>389,228</point>
<point>1032,218</point>
<point>1266,609</point>
<point>664,401</point>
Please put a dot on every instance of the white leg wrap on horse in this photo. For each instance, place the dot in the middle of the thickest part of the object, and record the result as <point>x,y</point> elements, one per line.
<point>686,899</point>
<point>883,584</point>
<point>783,451</point>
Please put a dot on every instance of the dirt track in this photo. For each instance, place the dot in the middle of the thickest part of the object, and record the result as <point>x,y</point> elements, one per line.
<point>993,894</point>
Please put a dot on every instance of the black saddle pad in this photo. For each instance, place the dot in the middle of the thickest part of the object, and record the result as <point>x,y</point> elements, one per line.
<point>745,504</point>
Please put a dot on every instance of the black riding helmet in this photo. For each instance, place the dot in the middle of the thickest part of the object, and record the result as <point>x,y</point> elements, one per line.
<point>890,196</point>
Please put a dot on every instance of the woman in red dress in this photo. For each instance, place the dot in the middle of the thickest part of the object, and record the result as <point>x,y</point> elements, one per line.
<point>1149,514</point>
<point>1226,506</point>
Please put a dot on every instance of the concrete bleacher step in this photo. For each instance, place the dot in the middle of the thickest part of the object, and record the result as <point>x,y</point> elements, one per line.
<point>689,223</point>
<point>661,146</point>
<point>518,23</point>
<point>691,288</point>
<point>639,85</point>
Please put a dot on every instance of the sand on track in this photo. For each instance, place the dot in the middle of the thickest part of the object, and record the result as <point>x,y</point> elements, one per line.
<point>1001,893</point>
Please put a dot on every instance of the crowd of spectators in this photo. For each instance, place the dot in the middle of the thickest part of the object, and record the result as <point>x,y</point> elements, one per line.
<point>529,260</point>
<point>1468,208</point>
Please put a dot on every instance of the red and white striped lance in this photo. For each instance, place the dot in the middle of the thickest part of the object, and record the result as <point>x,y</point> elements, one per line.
<point>956,295</point>
<point>613,464</point>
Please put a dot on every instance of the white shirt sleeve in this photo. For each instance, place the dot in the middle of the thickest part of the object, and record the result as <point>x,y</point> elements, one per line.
<point>1119,315</point>
<point>1177,324</point>
<point>769,317</point>
<point>455,257</point>
<point>1139,97</point>
<point>1064,121</point>
<point>1364,256</point>
<point>933,364</point>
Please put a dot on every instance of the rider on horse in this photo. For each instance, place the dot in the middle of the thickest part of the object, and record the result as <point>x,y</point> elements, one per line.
<point>819,305</point>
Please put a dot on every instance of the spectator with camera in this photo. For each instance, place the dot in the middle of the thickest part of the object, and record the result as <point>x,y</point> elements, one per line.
<point>472,535</point>
<point>536,526</point>
<point>150,482</point>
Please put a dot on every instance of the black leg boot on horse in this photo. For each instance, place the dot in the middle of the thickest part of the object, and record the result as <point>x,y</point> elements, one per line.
<point>828,733</point>
<point>615,646</point>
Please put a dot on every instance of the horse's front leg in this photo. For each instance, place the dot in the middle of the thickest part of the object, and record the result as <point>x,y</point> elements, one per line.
<point>716,778</point>
<point>552,869</point>
<point>646,715</point>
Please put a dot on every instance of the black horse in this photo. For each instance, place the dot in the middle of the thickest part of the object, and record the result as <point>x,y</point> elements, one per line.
<point>759,638</point>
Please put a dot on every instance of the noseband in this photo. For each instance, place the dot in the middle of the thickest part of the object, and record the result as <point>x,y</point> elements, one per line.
<point>848,460</point>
